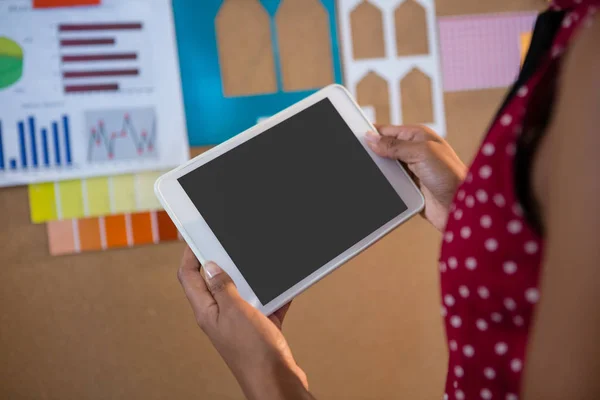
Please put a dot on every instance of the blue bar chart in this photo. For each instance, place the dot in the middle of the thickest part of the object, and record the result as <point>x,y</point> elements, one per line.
<point>38,146</point>
<point>1,149</point>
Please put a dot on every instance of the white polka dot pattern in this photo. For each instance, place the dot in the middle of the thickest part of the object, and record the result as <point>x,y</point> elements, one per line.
<point>483,292</point>
<point>501,348</point>
<point>489,373</point>
<point>468,351</point>
<point>491,257</point>
<point>510,267</point>
<point>481,324</point>
<point>532,295</point>
<point>486,221</point>
<point>486,394</point>
<point>471,263</point>
<point>453,345</point>
<point>488,149</point>
<point>516,365</point>
<point>455,321</point>
<point>458,371</point>
<point>491,244</point>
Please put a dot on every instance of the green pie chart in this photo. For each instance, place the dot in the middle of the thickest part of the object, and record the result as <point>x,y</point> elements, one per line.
<point>11,62</point>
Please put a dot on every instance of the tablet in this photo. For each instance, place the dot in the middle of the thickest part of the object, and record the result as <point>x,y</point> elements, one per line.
<point>284,203</point>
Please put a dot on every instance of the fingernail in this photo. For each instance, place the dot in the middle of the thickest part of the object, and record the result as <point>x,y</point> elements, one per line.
<point>373,137</point>
<point>211,270</point>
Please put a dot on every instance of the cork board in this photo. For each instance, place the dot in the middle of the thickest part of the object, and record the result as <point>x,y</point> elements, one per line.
<point>115,325</point>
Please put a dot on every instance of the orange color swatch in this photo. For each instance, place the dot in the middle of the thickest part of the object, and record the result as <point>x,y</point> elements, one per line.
<point>166,229</point>
<point>89,234</point>
<point>64,3</point>
<point>122,230</point>
<point>116,231</point>
<point>141,227</point>
<point>61,238</point>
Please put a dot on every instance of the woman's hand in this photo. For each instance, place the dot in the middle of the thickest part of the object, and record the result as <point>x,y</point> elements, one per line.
<point>251,344</point>
<point>434,164</point>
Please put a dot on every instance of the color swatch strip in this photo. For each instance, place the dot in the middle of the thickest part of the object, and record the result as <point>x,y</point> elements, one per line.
<point>110,232</point>
<point>93,197</point>
<point>482,51</point>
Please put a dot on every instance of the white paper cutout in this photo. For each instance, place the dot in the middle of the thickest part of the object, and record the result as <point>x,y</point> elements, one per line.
<point>393,68</point>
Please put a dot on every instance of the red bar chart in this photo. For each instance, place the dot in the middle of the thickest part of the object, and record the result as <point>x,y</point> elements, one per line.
<point>103,57</point>
<point>64,3</point>
<point>87,42</point>
<point>109,87</point>
<point>110,26</point>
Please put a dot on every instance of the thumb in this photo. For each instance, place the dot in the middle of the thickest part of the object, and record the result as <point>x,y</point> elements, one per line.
<point>219,284</point>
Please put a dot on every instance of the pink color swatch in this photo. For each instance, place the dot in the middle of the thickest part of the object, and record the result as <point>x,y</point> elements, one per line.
<point>482,51</point>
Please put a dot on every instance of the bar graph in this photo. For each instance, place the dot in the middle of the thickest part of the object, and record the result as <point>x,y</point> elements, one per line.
<point>64,3</point>
<point>37,146</point>
<point>1,149</point>
<point>103,57</point>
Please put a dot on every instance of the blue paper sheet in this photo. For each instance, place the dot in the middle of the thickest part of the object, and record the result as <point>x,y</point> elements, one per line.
<point>211,117</point>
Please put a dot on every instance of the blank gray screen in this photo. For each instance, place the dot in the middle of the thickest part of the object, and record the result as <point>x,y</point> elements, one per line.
<point>293,198</point>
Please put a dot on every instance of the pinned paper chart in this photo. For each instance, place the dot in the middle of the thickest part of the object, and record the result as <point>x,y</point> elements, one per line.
<point>395,72</point>
<point>110,232</point>
<point>247,58</point>
<point>93,197</point>
<point>88,88</point>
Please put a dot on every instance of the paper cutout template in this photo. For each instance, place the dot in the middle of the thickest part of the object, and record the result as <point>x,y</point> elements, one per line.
<point>245,59</point>
<point>482,51</point>
<point>93,197</point>
<point>110,232</point>
<point>396,72</point>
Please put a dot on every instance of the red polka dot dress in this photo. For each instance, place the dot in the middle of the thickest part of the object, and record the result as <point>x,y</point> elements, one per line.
<point>491,256</point>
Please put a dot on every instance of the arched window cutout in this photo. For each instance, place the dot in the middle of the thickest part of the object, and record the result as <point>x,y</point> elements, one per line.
<point>366,23</point>
<point>411,29</point>
<point>304,45</point>
<point>373,91</point>
<point>245,49</point>
<point>417,99</point>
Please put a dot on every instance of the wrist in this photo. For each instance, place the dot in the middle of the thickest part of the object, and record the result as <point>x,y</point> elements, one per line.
<point>274,380</point>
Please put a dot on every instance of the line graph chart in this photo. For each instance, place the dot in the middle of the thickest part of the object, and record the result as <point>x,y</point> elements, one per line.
<point>121,134</point>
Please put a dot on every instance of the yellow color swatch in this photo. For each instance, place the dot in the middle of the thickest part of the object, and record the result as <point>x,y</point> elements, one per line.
<point>123,193</point>
<point>146,199</point>
<point>71,199</point>
<point>98,196</point>
<point>42,202</point>
<point>525,43</point>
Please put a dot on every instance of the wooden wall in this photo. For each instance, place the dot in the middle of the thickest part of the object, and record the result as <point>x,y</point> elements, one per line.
<point>115,325</point>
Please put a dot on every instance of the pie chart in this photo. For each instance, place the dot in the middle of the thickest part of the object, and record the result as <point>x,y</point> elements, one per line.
<point>11,62</point>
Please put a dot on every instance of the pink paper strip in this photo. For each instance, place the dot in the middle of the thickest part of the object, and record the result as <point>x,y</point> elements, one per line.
<point>482,51</point>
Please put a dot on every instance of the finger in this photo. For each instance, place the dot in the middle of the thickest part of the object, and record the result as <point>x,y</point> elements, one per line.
<point>220,285</point>
<point>408,132</point>
<point>403,150</point>
<point>278,316</point>
<point>195,288</point>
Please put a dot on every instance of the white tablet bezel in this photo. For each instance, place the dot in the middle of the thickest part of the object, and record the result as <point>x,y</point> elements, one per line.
<point>206,246</point>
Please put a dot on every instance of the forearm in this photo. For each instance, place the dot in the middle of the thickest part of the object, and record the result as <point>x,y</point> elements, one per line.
<point>279,382</point>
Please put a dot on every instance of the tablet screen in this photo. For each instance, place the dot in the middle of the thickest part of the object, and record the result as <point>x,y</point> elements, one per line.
<point>291,199</point>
